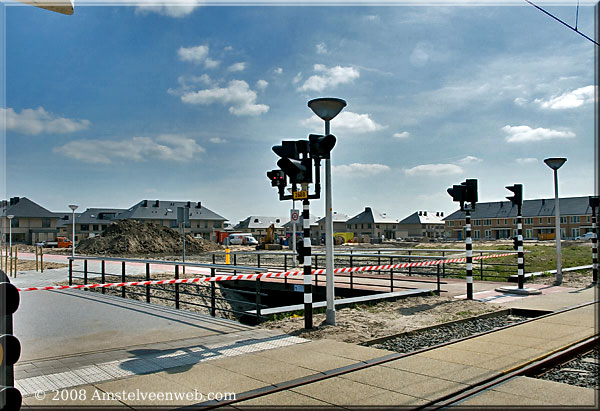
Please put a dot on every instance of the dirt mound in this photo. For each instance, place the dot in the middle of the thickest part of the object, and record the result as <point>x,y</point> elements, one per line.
<point>134,237</point>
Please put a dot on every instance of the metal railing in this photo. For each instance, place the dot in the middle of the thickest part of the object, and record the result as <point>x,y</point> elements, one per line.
<point>204,297</point>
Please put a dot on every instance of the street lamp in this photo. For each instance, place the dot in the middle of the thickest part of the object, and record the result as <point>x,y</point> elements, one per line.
<point>73,207</point>
<point>555,163</point>
<point>327,108</point>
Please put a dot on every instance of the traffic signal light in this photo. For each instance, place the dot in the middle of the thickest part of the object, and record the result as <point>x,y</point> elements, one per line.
<point>298,171</point>
<point>517,198</point>
<point>515,243</point>
<point>10,348</point>
<point>320,146</point>
<point>277,178</point>
<point>458,194</point>
<point>471,191</point>
<point>294,160</point>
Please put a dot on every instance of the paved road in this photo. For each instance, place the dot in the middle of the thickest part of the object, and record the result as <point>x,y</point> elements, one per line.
<point>66,322</point>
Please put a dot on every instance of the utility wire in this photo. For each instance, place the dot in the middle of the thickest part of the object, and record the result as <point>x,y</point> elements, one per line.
<point>562,22</point>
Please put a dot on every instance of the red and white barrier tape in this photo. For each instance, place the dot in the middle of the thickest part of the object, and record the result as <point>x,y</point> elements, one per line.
<point>266,275</point>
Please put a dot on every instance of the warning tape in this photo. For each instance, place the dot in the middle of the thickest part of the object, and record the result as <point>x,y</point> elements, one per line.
<point>266,275</point>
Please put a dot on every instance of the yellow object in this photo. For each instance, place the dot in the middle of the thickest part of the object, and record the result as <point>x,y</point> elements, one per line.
<point>346,236</point>
<point>227,256</point>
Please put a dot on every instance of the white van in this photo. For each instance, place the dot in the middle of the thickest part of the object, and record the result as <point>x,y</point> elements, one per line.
<point>242,239</point>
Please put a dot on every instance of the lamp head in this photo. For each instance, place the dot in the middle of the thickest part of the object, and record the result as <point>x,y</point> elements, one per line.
<point>327,107</point>
<point>10,217</point>
<point>555,162</point>
<point>73,207</point>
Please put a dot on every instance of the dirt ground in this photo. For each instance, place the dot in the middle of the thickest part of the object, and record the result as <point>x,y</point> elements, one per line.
<point>363,323</point>
<point>25,265</point>
<point>574,279</point>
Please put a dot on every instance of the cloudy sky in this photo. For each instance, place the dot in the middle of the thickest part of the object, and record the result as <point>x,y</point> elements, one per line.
<point>116,104</point>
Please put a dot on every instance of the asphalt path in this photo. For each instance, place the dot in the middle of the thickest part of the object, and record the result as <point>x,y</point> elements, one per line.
<point>52,324</point>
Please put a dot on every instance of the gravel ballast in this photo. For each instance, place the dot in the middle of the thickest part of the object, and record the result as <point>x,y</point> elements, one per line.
<point>416,340</point>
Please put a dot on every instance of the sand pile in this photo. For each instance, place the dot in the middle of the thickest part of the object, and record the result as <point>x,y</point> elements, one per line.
<point>134,237</point>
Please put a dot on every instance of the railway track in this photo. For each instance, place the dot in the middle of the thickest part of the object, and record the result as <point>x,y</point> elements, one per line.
<point>533,367</point>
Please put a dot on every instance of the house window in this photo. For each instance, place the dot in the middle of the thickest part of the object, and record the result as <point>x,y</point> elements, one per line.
<point>515,233</point>
<point>85,227</point>
<point>563,220</point>
<point>369,225</point>
<point>173,223</point>
<point>528,220</point>
<point>487,222</point>
<point>506,221</point>
<point>14,222</point>
<point>541,220</point>
<point>575,232</point>
<point>103,227</point>
<point>356,226</point>
<point>45,223</point>
<point>376,225</point>
<point>96,228</point>
<point>477,222</point>
<point>563,232</point>
<point>217,225</point>
<point>450,223</point>
<point>488,233</point>
<point>574,219</point>
<point>206,224</point>
<point>349,226</point>
<point>476,234</point>
<point>394,227</point>
<point>529,233</point>
<point>549,220</point>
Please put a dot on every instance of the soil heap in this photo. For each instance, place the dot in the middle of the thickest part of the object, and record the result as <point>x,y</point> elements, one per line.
<point>134,237</point>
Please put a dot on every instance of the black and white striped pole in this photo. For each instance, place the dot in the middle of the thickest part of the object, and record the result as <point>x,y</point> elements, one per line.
<point>469,244</point>
<point>466,192</point>
<point>520,256</point>
<point>308,320</point>
<point>594,203</point>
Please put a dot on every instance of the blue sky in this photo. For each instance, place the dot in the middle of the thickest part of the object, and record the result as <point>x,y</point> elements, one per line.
<point>114,104</point>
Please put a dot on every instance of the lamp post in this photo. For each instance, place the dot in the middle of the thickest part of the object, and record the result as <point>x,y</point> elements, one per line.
<point>327,108</point>
<point>73,207</point>
<point>555,163</point>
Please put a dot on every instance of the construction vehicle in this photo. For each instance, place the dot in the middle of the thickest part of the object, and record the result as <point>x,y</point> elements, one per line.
<point>341,238</point>
<point>269,242</point>
<point>61,242</point>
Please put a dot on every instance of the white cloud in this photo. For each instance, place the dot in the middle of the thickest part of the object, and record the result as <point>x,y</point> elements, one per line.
<point>358,169</point>
<point>520,101</point>
<point>228,48</point>
<point>197,54</point>
<point>238,95</point>
<point>434,170</point>
<point>37,121</point>
<point>421,54</point>
<point>329,77</point>
<point>241,66</point>
<point>262,84</point>
<point>469,160</point>
<point>572,99</point>
<point>278,70</point>
<point>170,8</point>
<point>402,135</point>
<point>217,140</point>
<point>321,48</point>
<point>372,17</point>
<point>297,78</point>
<point>526,160</point>
<point>525,134</point>
<point>346,122</point>
<point>166,147</point>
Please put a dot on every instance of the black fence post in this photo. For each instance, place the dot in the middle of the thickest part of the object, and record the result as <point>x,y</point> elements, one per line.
<point>481,265</point>
<point>258,302</point>
<point>85,272</point>
<point>213,305</point>
<point>123,278</point>
<point>258,259</point>
<point>176,287</point>
<point>103,273</point>
<point>439,290</point>
<point>409,261</point>
<point>147,279</point>
<point>285,267</point>
<point>70,271</point>
<point>594,247</point>
<point>444,264</point>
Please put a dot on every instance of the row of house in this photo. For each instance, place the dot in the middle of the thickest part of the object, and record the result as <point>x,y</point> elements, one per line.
<point>32,223</point>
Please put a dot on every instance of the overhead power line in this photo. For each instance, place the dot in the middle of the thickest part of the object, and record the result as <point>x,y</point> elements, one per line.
<point>562,22</point>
